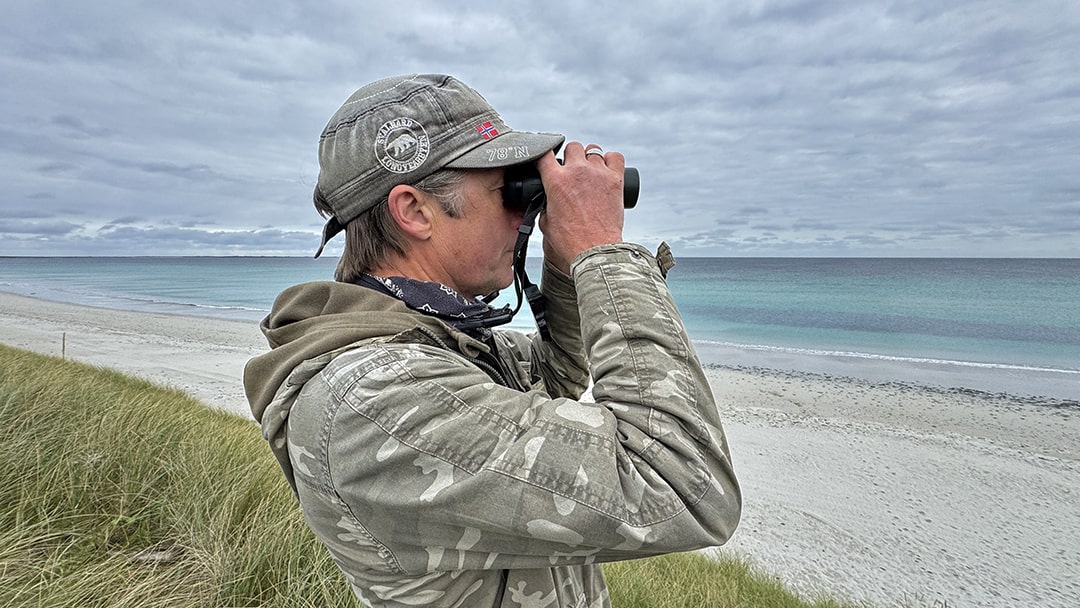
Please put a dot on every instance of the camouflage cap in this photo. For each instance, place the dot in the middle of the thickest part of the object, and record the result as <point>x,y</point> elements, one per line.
<point>400,130</point>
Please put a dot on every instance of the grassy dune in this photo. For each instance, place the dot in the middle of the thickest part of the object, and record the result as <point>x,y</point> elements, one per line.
<point>119,493</point>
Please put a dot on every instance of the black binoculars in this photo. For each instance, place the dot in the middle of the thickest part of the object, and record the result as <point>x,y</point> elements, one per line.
<point>523,187</point>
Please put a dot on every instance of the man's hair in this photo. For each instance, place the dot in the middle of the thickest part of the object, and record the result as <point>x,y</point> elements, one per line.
<point>373,236</point>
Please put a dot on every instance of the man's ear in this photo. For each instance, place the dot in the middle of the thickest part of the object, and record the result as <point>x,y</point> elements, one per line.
<point>412,211</point>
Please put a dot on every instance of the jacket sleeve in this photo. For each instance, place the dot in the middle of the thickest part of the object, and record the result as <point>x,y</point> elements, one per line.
<point>559,365</point>
<point>444,470</point>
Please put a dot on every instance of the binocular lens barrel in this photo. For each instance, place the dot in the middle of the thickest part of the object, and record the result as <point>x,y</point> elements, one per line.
<point>523,187</point>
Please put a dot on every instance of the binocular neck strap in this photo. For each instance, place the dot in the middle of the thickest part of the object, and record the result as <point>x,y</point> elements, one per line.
<point>523,287</point>
<point>522,284</point>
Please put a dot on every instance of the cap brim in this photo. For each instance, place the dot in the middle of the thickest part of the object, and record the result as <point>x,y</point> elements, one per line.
<point>513,148</point>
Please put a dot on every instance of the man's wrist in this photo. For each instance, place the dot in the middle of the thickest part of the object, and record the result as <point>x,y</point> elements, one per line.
<point>556,283</point>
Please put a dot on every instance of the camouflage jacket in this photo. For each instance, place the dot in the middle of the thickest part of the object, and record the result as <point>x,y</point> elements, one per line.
<point>441,472</point>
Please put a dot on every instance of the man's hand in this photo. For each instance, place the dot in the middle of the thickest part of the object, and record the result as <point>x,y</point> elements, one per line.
<point>584,202</point>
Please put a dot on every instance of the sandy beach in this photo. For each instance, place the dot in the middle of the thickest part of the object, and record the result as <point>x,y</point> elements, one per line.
<point>882,492</point>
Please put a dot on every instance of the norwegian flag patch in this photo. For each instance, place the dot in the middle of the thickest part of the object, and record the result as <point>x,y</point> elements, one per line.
<point>487,130</point>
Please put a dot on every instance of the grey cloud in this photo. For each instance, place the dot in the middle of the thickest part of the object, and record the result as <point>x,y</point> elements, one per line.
<point>42,228</point>
<point>177,240</point>
<point>188,171</point>
<point>801,225</point>
<point>868,239</point>
<point>746,211</point>
<point>25,213</point>
<point>763,237</point>
<point>122,221</point>
<point>57,167</point>
<point>1070,210</point>
<point>726,221</point>
<point>75,126</point>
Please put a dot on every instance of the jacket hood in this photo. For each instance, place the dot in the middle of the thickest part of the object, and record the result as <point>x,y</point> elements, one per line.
<point>308,325</point>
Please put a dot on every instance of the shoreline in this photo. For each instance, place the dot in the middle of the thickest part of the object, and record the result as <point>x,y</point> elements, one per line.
<point>873,491</point>
<point>1026,382</point>
<point>200,355</point>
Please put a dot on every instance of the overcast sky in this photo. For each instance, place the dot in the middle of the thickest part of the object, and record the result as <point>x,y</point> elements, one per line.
<point>761,128</point>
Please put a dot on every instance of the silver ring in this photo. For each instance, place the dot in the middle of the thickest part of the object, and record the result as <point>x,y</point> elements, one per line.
<point>592,151</point>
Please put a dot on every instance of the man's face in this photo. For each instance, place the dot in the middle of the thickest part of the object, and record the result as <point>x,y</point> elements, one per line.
<point>476,250</point>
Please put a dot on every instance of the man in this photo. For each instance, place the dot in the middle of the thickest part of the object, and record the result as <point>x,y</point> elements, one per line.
<point>444,463</point>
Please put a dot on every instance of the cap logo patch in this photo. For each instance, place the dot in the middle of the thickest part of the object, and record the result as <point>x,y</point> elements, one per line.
<point>402,145</point>
<point>487,130</point>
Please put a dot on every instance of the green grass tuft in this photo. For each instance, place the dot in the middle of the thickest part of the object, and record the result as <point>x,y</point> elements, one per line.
<point>117,492</point>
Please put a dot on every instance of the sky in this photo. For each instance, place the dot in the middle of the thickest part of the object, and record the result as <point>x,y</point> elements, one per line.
<point>842,128</point>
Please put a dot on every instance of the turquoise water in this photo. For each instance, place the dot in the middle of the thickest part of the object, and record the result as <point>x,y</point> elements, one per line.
<point>1021,312</point>
<point>991,324</point>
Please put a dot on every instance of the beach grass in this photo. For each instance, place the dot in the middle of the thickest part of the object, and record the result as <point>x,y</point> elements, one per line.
<point>116,492</point>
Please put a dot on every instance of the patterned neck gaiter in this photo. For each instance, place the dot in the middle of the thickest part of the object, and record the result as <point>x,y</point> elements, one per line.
<point>435,299</point>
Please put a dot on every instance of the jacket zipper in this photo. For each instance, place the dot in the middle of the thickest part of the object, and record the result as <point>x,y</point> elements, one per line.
<point>496,371</point>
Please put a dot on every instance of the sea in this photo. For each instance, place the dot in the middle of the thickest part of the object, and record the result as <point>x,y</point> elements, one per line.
<point>991,325</point>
